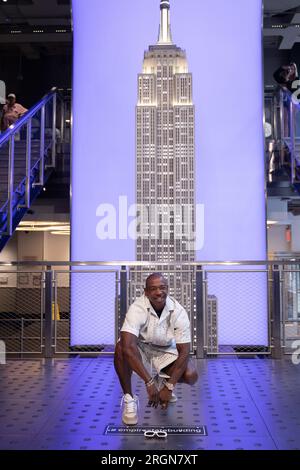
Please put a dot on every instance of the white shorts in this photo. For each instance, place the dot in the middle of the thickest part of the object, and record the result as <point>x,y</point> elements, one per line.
<point>156,357</point>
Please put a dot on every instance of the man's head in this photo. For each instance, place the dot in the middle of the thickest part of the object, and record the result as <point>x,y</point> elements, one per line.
<point>281,75</point>
<point>11,99</point>
<point>156,290</point>
<point>286,74</point>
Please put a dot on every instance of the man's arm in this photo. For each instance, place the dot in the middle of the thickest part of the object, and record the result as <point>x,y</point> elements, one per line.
<point>181,362</point>
<point>21,110</point>
<point>134,359</point>
<point>177,370</point>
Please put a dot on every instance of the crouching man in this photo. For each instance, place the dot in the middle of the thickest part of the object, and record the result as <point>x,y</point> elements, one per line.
<point>155,337</point>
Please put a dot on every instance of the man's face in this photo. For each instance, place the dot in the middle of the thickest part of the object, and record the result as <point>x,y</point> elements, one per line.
<point>288,73</point>
<point>11,101</point>
<point>157,291</point>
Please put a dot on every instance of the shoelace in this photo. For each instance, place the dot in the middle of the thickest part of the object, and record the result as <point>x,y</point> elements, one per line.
<point>130,405</point>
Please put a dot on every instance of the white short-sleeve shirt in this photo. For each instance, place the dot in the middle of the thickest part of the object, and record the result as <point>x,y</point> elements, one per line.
<point>173,326</point>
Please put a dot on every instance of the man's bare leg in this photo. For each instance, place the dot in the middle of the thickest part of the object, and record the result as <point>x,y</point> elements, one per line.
<point>123,370</point>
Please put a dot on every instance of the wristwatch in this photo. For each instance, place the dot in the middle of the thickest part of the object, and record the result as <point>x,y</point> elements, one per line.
<point>169,386</point>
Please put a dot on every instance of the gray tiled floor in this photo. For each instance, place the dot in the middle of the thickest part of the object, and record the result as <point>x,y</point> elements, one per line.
<point>67,403</point>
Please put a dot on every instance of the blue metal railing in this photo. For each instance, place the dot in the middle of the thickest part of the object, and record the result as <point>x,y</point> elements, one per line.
<point>282,111</point>
<point>38,125</point>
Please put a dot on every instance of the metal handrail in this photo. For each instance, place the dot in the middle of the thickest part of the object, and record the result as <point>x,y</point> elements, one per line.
<point>14,128</point>
<point>273,272</point>
<point>9,137</point>
<point>278,119</point>
<point>47,264</point>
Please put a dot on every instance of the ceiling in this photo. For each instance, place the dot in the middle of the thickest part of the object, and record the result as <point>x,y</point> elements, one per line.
<point>28,25</point>
<point>281,24</point>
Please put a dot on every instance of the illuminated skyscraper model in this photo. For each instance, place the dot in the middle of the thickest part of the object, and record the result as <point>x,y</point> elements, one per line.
<point>165,161</point>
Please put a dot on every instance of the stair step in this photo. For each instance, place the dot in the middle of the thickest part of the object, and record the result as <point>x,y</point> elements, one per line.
<point>18,165</point>
<point>5,161</point>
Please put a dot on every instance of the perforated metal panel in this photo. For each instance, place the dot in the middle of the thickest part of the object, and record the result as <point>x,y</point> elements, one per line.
<point>67,403</point>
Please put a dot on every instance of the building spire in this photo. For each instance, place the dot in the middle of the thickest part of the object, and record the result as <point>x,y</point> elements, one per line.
<point>165,28</point>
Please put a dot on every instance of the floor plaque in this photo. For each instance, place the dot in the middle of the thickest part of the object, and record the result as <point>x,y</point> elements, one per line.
<point>156,431</point>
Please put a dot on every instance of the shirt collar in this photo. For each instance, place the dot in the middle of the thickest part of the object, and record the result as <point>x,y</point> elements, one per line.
<point>169,306</point>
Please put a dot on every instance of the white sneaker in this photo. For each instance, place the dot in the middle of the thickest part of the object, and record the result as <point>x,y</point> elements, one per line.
<point>173,398</point>
<point>130,414</point>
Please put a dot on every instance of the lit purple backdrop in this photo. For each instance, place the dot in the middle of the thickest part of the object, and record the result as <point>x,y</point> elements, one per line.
<point>224,56</point>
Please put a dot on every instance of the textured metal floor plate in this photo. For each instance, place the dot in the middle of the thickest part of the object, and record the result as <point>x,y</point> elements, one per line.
<point>68,404</point>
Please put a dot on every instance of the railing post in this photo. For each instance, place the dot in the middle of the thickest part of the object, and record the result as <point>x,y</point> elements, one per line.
<point>281,127</point>
<point>123,293</point>
<point>48,312</point>
<point>10,195</point>
<point>276,314</point>
<point>274,118</point>
<point>53,159</point>
<point>199,314</point>
<point>22,337</point>
<point>292,147</point>
<point>28,164</point>
<point>62,121</point>
<point>42,146</point>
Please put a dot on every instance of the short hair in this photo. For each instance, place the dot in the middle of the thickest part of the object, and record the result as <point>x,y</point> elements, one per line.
<point>279,76</point>
<point>153,276</point>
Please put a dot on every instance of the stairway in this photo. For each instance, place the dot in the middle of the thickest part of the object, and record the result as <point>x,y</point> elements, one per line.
<point>19,167</point>
<point>19,187</point>
<point>41,119</point>
<point>297,156</point>
<point>281,176</point>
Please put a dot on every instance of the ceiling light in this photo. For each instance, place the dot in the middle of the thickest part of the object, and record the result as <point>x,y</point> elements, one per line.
<point>44,227</point>
<point>60,233</point>
<point>41,223</point>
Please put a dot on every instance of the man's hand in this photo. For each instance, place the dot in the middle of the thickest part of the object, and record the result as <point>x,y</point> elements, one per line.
<point>164,397</point>
<point>153,395</point>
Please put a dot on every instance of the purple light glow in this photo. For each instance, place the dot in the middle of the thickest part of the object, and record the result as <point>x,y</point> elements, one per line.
<point>224,56</point>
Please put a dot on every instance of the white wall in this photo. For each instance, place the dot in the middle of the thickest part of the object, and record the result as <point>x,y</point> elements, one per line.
<point>10,252</point>
<point>30,246</point>
<point>277,211</point>
<point>277,240</point>
<point>56,247</point>
<point>39,246</point>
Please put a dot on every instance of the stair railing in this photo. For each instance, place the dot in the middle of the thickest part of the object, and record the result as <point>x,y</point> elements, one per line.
<point>283,109</point>
<point>44,110</point>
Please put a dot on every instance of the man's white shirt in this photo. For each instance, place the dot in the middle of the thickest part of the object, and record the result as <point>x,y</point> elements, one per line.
<point>172,327</point>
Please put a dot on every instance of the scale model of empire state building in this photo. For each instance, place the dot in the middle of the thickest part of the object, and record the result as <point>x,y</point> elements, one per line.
<point>165,162</point>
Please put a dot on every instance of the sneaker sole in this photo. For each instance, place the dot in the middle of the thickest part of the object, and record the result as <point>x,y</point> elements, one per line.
<point>130,421</point>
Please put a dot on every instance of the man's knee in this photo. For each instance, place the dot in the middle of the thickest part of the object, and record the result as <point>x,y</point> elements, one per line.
<point>190,376</point>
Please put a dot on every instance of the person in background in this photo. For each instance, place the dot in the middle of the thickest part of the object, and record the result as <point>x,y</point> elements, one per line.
<point>287,78</point>
<point>286,75</point>
<point>11,112</point>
